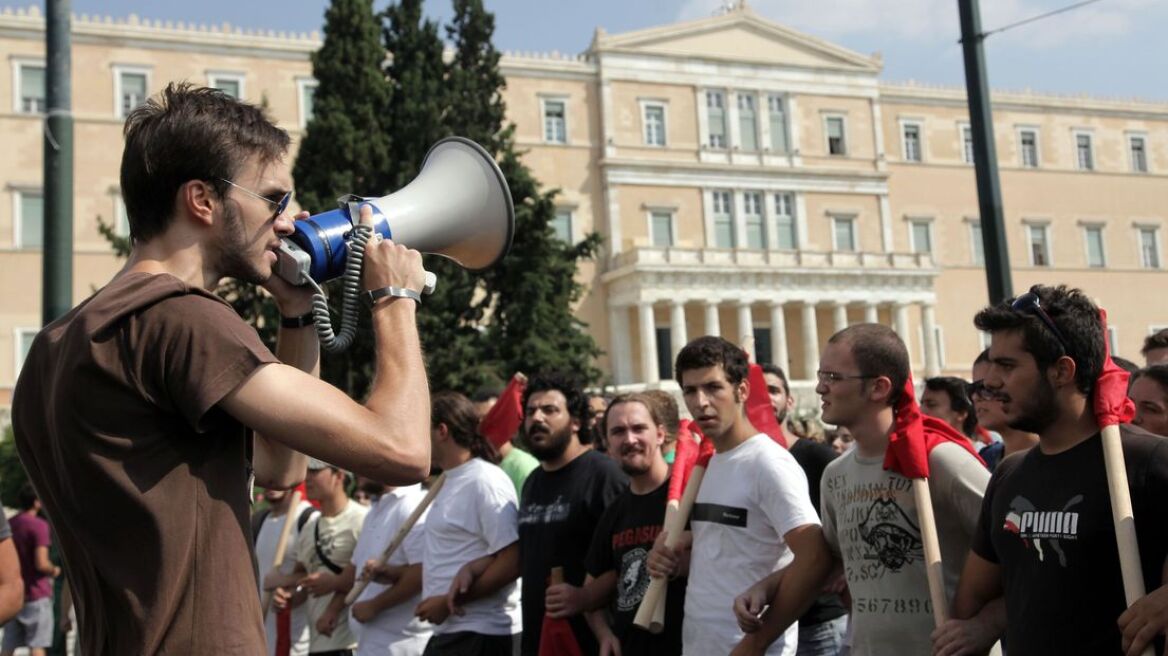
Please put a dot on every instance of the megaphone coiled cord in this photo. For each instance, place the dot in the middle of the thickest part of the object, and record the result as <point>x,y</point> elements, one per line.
<point>350,291</point>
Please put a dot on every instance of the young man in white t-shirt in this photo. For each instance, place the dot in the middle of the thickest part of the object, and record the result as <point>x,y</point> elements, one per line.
<point>471,560</point>
<point>279,510</point>
<point>753,516</point>
<point>382,618</point>
<point>323,548</point>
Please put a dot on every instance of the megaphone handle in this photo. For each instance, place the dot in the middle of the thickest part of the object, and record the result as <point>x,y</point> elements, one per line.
<point>431,283</point>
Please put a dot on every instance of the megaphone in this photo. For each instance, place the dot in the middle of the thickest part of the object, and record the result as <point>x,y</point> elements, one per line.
<point>459,207</point>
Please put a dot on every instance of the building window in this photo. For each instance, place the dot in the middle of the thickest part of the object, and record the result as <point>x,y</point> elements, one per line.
<point>1095,253</point>
<point>1039,245</point>
<point>555,124</point>
<point>747,123</point>
<point>911,141</point>
<point>836,138</point>
<point>1138,147</point>
<point>1150,248</point>
<point>1085,156</point>
<point>306,99</point>
<point>786,237</point>
<point>661,226</point>
<point>844,233</point>
<point>716,115</point>
<point>654,125</point>
<point>30,88</point>
<point>561,225</point>
<point>1028,146</point>
<point>30,220</point>
<point>753,218</point>
<point>664,353</point>
<point>976,243</point>
<point>132,87</point>
<point>229,83</point>
<point>922,235</point>
<point>967,144</point>
<point>723,220</point>
<point>24,339</point>
<point>776,109</point>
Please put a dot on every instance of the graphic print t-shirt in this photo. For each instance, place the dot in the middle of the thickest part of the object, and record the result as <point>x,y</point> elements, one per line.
<point>751,496</point>
<point>621,543</point>
<point>1047,522</point>
<point>870,521</point>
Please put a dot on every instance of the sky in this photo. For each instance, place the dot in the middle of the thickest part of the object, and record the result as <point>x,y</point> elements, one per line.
<point>1110,48</point>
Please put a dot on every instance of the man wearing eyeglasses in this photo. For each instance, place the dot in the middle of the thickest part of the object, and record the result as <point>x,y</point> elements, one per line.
<point>1046,539</point>
<point>870,514</point>
<point>141,413</point>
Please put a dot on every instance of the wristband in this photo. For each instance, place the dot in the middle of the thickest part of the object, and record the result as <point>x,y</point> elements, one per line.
<point>301,321</point>
<point>373,295</point>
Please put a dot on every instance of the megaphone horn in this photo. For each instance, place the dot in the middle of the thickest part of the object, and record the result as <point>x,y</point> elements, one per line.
<point>459,206</point>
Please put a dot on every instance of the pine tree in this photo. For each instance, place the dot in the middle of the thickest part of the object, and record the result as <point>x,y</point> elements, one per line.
<point>533,291</point>
<point>449,319</point>
<point>346,149</point>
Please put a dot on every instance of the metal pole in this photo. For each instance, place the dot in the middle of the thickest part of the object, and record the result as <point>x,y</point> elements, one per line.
<point>985,157</point>
<point>57,292</point>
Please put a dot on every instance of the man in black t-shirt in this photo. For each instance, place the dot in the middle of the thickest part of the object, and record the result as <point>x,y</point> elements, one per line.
<point>617,572</point>
<point>1045,543</point>
<point>823,627</point>
<point>562,500</point>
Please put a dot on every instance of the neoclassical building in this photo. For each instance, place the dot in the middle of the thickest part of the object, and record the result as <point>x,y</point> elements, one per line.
<point>749,180</point>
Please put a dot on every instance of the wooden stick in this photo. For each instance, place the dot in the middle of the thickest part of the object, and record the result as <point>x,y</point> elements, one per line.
<point>557,576</point>
<point>282,545</point>
<point>671,509</point>
<point>399,537</point>
<point>656,590</point>
<point>932,546</point>
<point>1124,518</point>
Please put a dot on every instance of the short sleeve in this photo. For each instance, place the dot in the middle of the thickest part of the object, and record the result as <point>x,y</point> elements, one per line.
<point>44,537</point>
<point>204,351</point>
<point>599,559</point>
<point>781,492</point>
<point>612,482</point>
<point>304,543</point>
<point>414,546</point>
<point>961,482</point>
<point>498,511</point>
<point>827,514</point>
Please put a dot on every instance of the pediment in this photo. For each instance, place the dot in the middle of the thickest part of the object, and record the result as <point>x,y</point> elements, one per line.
<point>740,36</point>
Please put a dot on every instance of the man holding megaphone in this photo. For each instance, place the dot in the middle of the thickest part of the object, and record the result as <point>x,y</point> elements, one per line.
<point>134,413</point>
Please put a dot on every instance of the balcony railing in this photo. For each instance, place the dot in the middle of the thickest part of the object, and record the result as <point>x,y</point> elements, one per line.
<point>768,259</point>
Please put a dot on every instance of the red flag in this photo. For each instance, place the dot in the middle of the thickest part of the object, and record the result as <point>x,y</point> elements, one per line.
<point>1112,405</point>
<point>504,418</point>
<point>759,410</point>
<point>555,635</point>
<point>914,435</point>
<point>689,454</point>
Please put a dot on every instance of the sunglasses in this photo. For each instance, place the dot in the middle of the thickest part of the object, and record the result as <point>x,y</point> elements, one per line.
<point>281,205</point>
<point>979,392</point>
<point>1029,303</point>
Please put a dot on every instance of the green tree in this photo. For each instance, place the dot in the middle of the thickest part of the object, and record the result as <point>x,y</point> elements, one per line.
<point>12,474</point>
<point>346,149</point>
<point>532,292</point>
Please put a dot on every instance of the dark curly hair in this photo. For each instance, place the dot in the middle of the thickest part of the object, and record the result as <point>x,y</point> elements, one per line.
<point>573,391</point>
<point>710,351</point>
<point>1077,319</point>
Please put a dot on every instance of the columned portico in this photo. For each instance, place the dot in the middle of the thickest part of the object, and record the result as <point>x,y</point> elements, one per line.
<point>677,336</point>
<point>745,324</point>
<point>779,337</point>
<point>929,328</point>
<point>840,315</point>
<point>648,343</point>
<point>810,340</point>
<point>713,327</point>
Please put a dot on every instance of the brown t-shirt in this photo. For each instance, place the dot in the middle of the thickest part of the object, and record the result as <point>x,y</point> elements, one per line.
<point>144,478</point>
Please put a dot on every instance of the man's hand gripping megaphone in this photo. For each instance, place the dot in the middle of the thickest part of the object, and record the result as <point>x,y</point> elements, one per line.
<point>391,266</point>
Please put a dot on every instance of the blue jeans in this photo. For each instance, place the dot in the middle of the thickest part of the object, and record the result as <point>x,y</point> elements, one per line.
<point>823,639</point>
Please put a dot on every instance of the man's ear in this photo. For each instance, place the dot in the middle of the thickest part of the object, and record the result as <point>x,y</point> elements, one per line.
<point>743,389</point>
<point>881,389</point>
<point>1063,371</point>
<point>197,199</point>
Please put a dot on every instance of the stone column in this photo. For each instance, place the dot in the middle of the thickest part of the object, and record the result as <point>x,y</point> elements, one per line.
<point>779,337</point>
<point>745,326</point>
<point>900,323</point>
<point>648,343</point>
<point>712,325</point>
<point>840,315</point>
<point>928,327</point>
<point>677,337</point>
<point>871,313</point>
<point>810,341</point>
<point>620,349</point>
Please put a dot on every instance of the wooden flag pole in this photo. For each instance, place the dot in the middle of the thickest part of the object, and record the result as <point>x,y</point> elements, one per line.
<point>1124,519</point>
<point>932,548</point>
<point>399,537</point>
<point>282,546</point>
<point>655,594</point>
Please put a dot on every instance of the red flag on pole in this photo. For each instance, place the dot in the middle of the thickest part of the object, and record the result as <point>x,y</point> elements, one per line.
<point>915,435</point>
<point>759,410</point>
<point>555,635</point>
<point>1112,405</point>
<point>504,418</point>
<point>684,458</point>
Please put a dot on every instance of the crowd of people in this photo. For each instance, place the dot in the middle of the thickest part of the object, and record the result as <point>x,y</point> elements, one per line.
<point>144,416</point>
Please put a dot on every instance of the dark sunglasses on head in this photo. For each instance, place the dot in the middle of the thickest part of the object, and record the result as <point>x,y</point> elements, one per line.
<point>1029,302</point>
